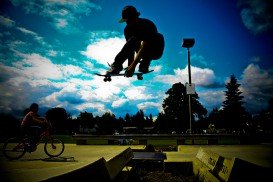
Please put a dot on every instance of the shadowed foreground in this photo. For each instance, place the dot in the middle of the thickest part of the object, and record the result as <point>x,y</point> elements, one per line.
<point>34,167</point>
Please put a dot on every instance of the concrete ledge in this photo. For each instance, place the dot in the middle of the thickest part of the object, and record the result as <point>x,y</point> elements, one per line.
<point>100,170</point>
<point>157,139</point>
<point>210,166</point>
<point>117,163</point>
<point>203,172</point>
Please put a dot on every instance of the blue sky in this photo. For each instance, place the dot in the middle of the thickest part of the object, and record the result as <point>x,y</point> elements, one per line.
<point>50,50</point>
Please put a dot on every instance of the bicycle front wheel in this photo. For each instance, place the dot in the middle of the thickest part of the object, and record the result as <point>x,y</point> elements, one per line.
<point>14,148</point>
<point>54,147</point>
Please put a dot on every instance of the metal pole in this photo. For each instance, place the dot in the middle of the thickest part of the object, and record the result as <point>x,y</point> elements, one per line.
<point>189,70</point>
<point>190,111</point>
<point>187,43</point>
<point>189,65</point>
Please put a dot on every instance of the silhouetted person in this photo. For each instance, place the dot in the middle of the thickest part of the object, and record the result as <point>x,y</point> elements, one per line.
<point>32,125</point>
<point>143,38</point>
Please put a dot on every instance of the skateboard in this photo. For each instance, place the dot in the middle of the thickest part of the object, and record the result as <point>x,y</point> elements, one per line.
<point>107,77</point>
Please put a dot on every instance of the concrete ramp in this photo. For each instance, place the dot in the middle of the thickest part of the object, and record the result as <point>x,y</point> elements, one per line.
<point>210,166</point>
<point>100,170</point>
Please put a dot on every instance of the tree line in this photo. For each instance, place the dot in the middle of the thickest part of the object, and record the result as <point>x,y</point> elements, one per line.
<point>231,118</point>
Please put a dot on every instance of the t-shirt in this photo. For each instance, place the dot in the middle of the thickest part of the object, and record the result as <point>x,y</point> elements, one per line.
<point>27,121</point>
<point>143,29</point>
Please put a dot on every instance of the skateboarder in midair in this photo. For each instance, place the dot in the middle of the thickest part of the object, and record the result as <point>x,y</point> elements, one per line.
<point>142,38</point>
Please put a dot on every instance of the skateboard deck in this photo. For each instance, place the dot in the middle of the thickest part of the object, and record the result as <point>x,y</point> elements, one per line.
<point>107,77</point>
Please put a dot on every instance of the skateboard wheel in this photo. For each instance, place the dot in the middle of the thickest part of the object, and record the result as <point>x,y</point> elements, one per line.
<point>105,79</point>
<point>109,79</point>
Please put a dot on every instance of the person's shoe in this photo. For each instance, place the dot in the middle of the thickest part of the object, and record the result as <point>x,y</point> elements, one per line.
<point>114,70</point>
<point>144,66</point>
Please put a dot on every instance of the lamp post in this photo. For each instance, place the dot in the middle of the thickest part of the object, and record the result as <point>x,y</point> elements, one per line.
<point>188,43</point>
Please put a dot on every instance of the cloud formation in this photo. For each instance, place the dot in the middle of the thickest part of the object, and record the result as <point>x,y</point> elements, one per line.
<point>200,76</point>
<point>64,15</point>
<point>257,86</point>
<point>5,21</point>
<point>257,15</point>
<point>104,51</point>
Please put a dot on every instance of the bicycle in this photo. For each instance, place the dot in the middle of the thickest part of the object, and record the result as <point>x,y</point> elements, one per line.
<point>14,148</point>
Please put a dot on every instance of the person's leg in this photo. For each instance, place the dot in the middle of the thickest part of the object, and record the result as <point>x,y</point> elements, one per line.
<point>144,65</point>
<point>126,52</point>
<point>146,57</point>
<point>153,51</point>
<point>35,132</point>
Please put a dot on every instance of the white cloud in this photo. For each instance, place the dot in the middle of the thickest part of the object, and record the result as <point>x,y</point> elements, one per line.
<point>157,68</point>
<point>137,93</point>
<point>96,108</point>
<point>119,102</point>
<point>257,86</point>
<point>31,33</point>
<point>20,89</point>
<point>64,15</point>
<point>257,15</point>
<point>26,31</point>
<point>199,76</point>
<point>68,94</point>
<point>70,70</point>
<point>211,98</point>
<point>35,66</point>
<point>105,50</point>
<point>89,65</point>
<point>61,23</point>
<point>6,21</point>
<point>52,53</point>
<point>107,91</point>
<point>145,105</point>
<point>13,45</point>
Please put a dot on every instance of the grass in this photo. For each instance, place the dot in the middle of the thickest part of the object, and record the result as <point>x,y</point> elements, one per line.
<point>66,138</point>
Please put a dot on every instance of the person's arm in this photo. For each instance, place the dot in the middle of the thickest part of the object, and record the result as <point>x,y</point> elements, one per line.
<point>39,120</point>
<point>131,69</point>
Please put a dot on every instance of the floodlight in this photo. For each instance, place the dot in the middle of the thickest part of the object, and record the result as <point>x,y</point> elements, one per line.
<point>188,43</point>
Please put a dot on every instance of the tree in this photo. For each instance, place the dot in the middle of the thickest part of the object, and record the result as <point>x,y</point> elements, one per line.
<point>86,119</point>
<point>149,120</point>
<point>138,119</point>
<point>108,123</point>
<point>175,115</point>
<point>264,120</point>
<point>215,118</point>
<point>59,119</point>
<point>9,126</point>
<point>233,113</point>
<point>128,118</point>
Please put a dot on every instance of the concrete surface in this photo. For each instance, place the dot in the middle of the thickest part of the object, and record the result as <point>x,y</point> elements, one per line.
<point>33,167</point>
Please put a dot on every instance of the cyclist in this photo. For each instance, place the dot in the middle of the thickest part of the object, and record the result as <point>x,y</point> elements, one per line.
<point>32,125</point>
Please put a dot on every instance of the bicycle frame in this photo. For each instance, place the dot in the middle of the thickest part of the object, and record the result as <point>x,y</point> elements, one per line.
<point>46,134</point>
<point>53,146</point>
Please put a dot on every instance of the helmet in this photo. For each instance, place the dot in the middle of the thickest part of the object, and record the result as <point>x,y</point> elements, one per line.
<point>129,12</point>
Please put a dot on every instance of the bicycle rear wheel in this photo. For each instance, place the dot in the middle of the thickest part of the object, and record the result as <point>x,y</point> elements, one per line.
<point>54,147</point>
<point>14,148</point>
